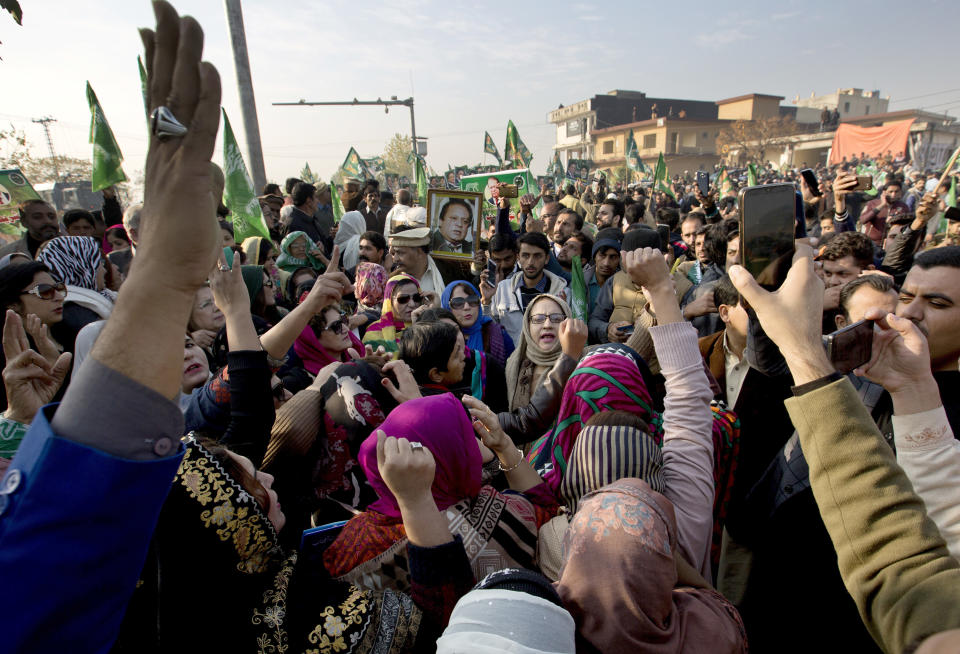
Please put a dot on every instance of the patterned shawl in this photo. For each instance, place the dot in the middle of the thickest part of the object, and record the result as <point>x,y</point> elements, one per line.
<point>386,331</point>
<point>74,260</point>
<point>629,528</point>
<point>606,380</point>
<point>371,278</point>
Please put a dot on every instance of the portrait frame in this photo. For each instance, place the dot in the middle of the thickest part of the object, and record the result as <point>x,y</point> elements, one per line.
<point>437,200</point>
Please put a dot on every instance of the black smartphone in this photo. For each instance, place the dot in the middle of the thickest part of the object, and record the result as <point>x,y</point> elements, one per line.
<point>810,178</point>
<point>703,181</point>
<point>850,347</point>
<point>767,229</point>
<point>664,232</point>
<point>626,329</point>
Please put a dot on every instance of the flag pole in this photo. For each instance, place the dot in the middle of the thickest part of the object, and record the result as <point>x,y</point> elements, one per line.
<point>949,167</point>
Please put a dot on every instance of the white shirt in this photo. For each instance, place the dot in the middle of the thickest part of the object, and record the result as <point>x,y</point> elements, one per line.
<point>735,371</point>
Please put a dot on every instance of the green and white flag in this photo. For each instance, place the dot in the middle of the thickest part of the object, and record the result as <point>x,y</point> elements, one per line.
<point>661,178</point>
<point>490,147</point>
<point>751,174</point>
<point>634,162</point>
<point>723,182</point>
<point>336,202</point>
<point>307,175</point>
<point>514,151</point>
<point>421,182</point>
<point>238,192</point>
<point>107,158</point>
<point>579,300</point>
<point>353,165</point>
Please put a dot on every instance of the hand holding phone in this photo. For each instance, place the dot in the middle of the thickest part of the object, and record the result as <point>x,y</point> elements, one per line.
<point>703,182</point>
<point>810,181</point>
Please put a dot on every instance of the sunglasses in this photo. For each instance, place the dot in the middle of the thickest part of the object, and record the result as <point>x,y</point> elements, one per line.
<point>47,291</point>
<point>540,318</point>
<point>460,302</point>
<point>338,326</point>
<point>403,299</point>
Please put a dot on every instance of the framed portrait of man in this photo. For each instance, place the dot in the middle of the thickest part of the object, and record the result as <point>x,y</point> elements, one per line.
<point>454,219</point>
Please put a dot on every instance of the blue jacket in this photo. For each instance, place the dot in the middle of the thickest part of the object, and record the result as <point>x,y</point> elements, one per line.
<point>75,524</point>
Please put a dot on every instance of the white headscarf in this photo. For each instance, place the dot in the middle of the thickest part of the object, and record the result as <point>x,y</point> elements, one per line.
<point>352,225</point>
<point>495,620</point>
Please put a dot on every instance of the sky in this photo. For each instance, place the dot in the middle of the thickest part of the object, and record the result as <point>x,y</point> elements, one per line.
<point>468,70</point>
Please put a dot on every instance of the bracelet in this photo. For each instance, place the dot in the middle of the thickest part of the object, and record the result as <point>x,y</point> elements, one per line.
<point>513,467</point>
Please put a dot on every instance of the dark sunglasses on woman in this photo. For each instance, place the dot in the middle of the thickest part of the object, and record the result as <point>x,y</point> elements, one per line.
<point>416,297</point>
<point>460,302</point>
<point>339,326</point>
<point>46,291</point>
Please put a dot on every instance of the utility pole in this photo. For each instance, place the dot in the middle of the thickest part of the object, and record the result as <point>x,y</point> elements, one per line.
<point>386,104</point>
<point>45,122</point>
<point>251,126</point>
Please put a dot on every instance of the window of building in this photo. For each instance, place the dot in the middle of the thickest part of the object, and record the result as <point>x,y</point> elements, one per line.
<point>608,147</point>
<point>846,107</point>
<point>649,141</point>
<point>704,135</point>
<point>867,111</point>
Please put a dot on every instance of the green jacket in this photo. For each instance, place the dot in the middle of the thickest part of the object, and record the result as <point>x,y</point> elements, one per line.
<point>892,558</point>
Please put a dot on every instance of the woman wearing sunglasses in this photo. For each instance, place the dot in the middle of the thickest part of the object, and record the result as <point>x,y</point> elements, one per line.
<point>480,332</point>
<point>327,338</point>
<point>400,297</point>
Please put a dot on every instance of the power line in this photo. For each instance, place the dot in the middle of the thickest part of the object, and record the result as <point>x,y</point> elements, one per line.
<point>925,95</point>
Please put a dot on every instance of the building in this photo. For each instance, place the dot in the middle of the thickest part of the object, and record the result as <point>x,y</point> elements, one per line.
<point>575,123</point>
<point>851,103</point>
<point>933,138</point>
<point>752,106</point>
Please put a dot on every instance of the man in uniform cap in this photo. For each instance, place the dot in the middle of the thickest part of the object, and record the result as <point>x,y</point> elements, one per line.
<point>410,250</point>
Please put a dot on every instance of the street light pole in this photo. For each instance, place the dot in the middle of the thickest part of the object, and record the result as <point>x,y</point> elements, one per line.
<point>386,104</point>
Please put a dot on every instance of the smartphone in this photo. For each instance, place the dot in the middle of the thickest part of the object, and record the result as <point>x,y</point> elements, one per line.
<point>850,347</point>
<point>509,191</point>
<point>811,179</point>
<point>664,232</point>
<point>703,181</point>
<point>864,183</point>
<point>626,329</point>
<point>228,255</point>
<point>767,229</point>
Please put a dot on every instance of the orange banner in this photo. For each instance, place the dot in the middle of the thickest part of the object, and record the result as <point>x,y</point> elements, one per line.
<point>851,140</point>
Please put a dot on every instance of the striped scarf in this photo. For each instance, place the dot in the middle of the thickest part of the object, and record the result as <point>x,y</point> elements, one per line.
<point>75,260</point>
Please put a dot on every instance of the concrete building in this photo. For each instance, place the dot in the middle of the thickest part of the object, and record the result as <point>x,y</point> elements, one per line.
<point>686,144</point>
<point>576,122</point>
<point>851,103</point>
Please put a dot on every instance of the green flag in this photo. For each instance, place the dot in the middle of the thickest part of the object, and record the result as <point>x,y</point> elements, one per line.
<point>421,182</point>
<point>579,300</point>
<point>490,147</point>
<point>661,177</point>
<point>751,175</point>
<point>337,204</point>
<point>307,175</point>
<point>634,162</point>
<point>515,152</point>
<point>353,165</point>
<point>238,192</point>
<point>723,182</point>
<point>951,198</point>
<point>107,158</point>
<point>143,84</point>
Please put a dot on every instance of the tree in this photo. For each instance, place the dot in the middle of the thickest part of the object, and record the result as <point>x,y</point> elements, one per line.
<point>396,156</point>
<point>748,140</point>
<point>16,152</point>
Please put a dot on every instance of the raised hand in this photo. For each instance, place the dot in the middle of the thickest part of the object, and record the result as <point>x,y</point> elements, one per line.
<point>573,337</point>
<point>229,292</point>
<point>330,287</point>
<point>29,379</point>
<point>900,359</point>
<point>407,470</point>
<point>179,234</point>
<point>487,426</point>
<point>406,387</point>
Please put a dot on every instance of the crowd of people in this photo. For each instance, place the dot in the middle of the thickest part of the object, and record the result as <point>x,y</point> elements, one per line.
<point>366,449</point>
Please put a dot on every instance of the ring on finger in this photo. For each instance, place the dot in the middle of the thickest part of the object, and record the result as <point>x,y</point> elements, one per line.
<point>415,445</point>
<point>165,125</point>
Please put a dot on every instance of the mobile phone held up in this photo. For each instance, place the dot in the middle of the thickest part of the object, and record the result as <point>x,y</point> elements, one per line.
<point>767,230</point>
<point>664,232</point>
<point>864,183</point>
<point>703,181</point>
<point>509,191</point>
<point>811,180</point>
<point>850,347</point>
